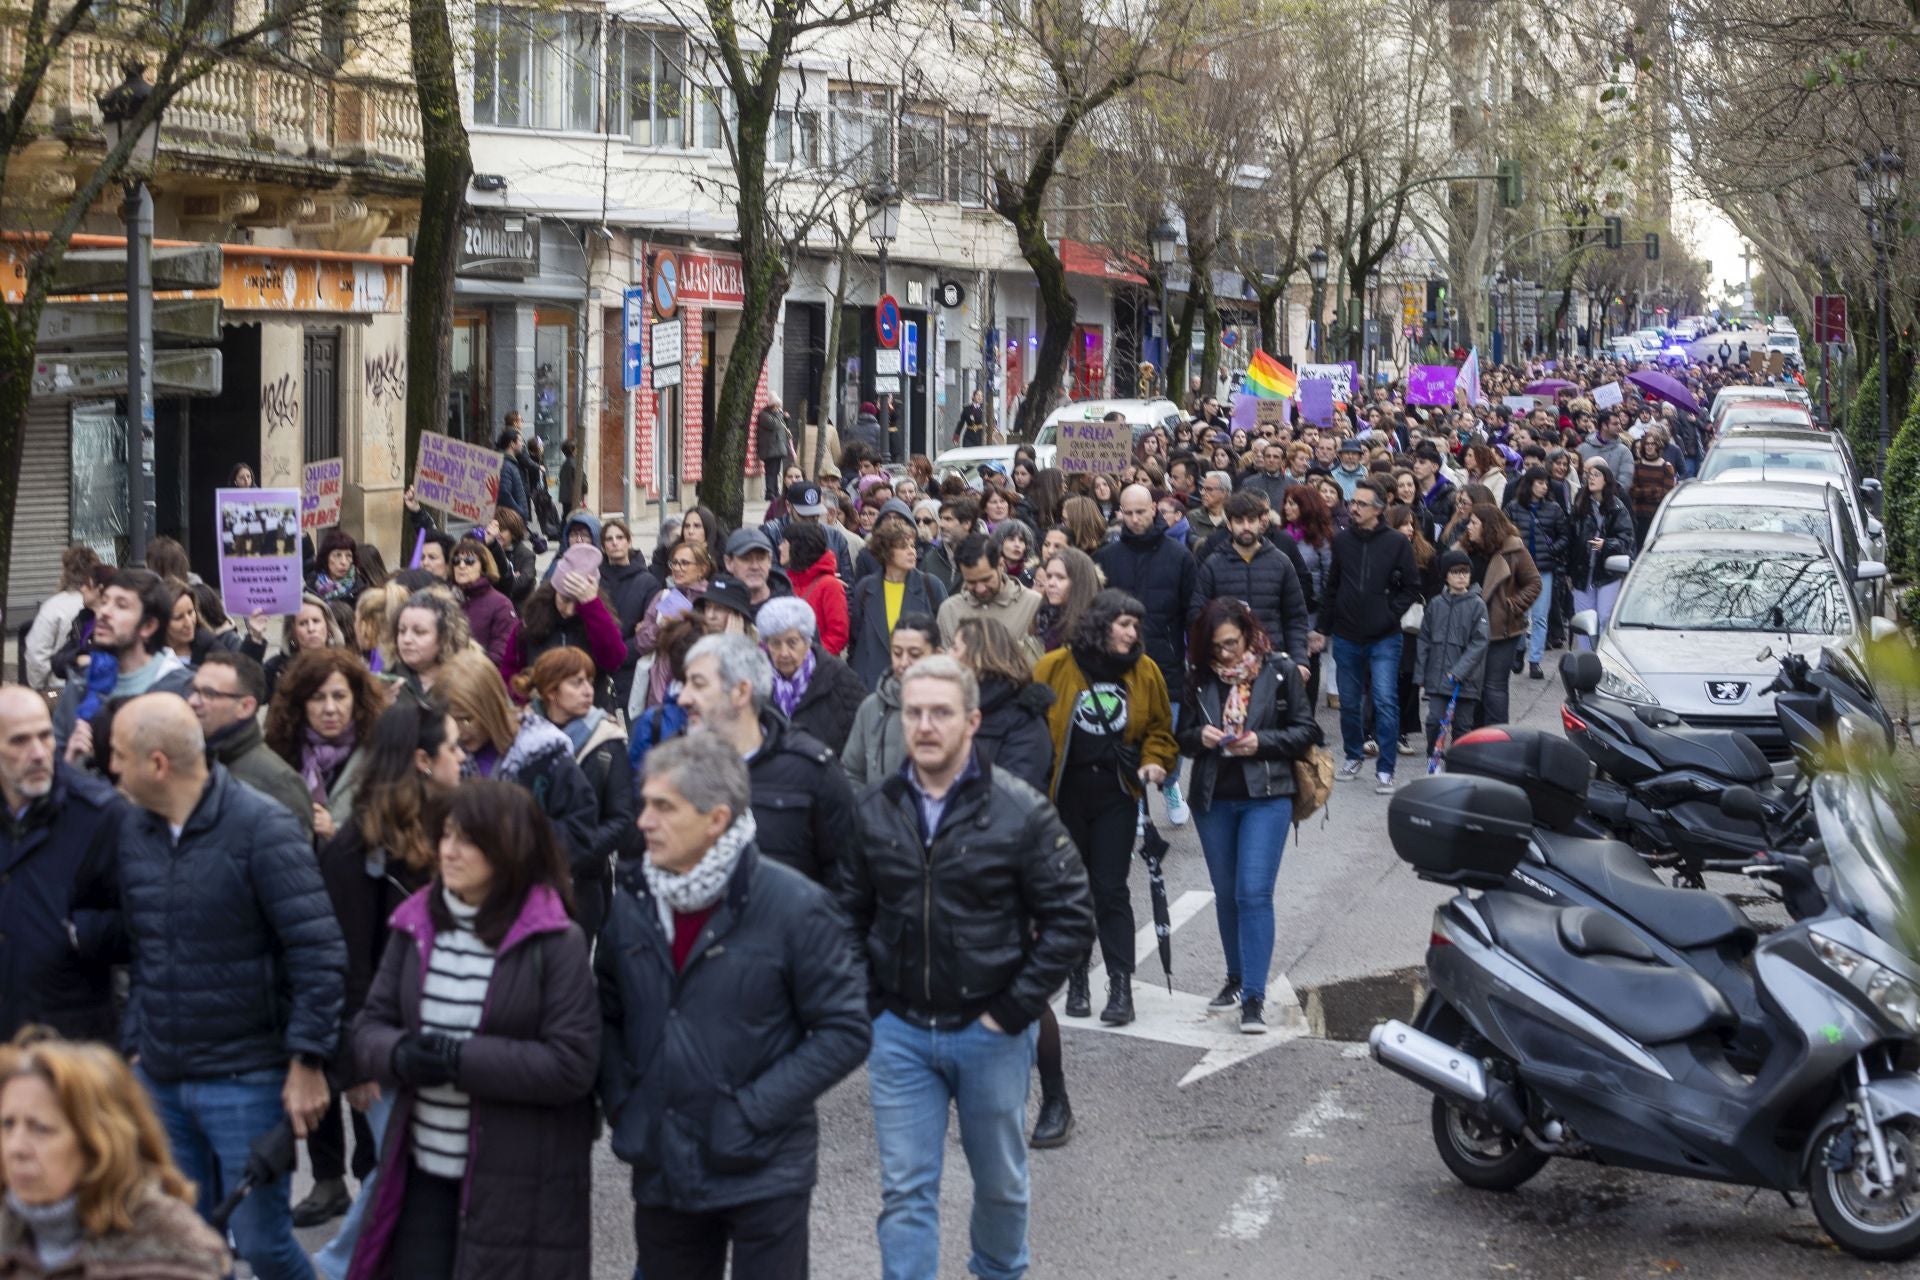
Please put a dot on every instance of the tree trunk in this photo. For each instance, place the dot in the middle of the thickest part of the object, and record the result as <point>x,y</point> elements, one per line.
<point>448,165</point>
<point>830,366</point>
<point>1210,328</point>
<point>1272,336</point>
<point>1057,311</point>
<point>1180,348</point>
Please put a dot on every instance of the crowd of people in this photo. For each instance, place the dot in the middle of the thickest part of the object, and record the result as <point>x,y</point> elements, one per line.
<point>465,857</point>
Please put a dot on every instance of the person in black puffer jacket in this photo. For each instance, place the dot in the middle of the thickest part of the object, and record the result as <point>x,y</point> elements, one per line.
<point>1013,730</point>
<point>1155,570</point>
<point>1253,570</point>
<point>1545,529</point>
<point>1602,528</point>
<point>814,689</point>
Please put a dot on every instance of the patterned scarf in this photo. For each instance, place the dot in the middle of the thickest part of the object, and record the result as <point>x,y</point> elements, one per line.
<point>321,756</point>
<point>701,887</point>
<point>788,690</point>
<point>1238,677</point>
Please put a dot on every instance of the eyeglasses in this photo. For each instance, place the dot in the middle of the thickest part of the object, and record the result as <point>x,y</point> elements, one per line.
<point>466,559</point>
<point>204,693</point>
<point>685,564</point>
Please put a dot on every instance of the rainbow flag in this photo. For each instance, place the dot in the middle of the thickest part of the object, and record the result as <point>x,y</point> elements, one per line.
<point>1268,379</point>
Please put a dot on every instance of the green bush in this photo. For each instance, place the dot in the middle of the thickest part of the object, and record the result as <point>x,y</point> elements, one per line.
<point>1901,495</point>
<point>1863,418</point>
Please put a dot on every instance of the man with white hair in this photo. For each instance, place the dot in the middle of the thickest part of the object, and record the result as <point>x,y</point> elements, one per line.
<point>57,838</point>
<point>802,802</point>
<point>1210,515</point>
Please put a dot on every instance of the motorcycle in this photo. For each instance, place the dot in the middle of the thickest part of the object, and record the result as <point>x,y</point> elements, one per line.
<point>1557,1030</point>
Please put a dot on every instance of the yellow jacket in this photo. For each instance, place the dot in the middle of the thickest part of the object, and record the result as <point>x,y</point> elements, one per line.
<point>1149,712</point>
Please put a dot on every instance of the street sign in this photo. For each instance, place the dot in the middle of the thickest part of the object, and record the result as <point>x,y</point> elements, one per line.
<point>910,348</point>
<point>1830,318</point>
<point>666,345</point>
<point>886,321</point>
<point>886,361</point>
<point>178,373</point>
<point>886,382</point>
<point>184,266</point>
<point>666,286</point>
<point>75,325</point>
<point>665,375</point>
<point>634,318</point>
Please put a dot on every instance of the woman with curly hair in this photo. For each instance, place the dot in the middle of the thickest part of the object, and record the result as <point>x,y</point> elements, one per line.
<point>321,714</point>
<point>429,628</point>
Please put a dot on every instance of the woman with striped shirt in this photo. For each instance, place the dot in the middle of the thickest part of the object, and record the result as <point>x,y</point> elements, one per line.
<point>488,1028</point>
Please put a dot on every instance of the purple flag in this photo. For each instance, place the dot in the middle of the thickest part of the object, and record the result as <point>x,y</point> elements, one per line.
<point>1316,401</point>
<point>1432,384</point>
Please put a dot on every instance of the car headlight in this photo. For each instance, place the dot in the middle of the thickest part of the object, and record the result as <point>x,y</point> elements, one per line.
<point>1895,997</point>
<point>1617,682</point>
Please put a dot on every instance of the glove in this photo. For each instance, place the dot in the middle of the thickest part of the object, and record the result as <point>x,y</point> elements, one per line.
<point>422,1061</point>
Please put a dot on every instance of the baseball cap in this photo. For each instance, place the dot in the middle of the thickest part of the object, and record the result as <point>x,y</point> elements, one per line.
<point>1351,445</point>
<point>804,498</point>
<point>742,541</point>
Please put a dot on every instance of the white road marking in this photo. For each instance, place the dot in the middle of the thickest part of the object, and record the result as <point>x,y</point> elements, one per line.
<point>1325,1110</point>
<point>1250,1214</point>
<point>1182,1018</point>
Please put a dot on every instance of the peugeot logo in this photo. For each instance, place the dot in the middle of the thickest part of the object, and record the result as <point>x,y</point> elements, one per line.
<point>1727,691</point>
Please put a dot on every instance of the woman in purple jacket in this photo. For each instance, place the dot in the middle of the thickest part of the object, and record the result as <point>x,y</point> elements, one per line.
<point>489,612</point>
<point>484,1022</point>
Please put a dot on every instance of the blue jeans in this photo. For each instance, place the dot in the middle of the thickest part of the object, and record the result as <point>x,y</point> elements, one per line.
<point>211,1124</point>
<point>332,1260</point>
<point>1376,663</point>
<point>913,1076</point>
<point>1600,600</point>
<point>1537,616</point>
<point>1243,841</point>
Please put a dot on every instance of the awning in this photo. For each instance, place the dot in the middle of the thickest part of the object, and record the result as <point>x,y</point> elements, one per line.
<point>1095,262</point>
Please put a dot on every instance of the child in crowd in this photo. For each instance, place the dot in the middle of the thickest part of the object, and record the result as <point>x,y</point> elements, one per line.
<point>1453,646</point>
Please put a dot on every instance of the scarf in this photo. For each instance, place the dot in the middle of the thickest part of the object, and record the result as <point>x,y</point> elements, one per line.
<point>578,731</point>
<point>1179,530</point>
<point>1238,677</point>
<point>55,1229</point>
<point>327,589</point>
<point>1050,624</point>
<point>1106,665</point>
<point>787,691</point>
<point>321,756</point>
<point>701,887</point>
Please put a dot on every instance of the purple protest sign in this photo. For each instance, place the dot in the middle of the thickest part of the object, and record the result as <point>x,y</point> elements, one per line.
<point>1316,401</point>
<point>259,550</point>
<point>1245,411</point>
<point>1432,384</point>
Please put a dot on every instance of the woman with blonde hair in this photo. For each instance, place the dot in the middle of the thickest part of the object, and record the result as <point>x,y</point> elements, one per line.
<point>375,615</point>
<point>91,1188</point>
<point>429,628</point>
<point>1086,527</point>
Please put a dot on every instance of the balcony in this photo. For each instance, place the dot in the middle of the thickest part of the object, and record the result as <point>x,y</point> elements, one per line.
<point>245,117</point>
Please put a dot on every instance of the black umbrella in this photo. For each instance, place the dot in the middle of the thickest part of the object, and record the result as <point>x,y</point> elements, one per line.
<point>270,1156</point>
<point>1153,851</point>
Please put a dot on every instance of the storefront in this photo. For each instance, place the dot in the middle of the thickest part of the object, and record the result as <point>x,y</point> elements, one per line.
<point>519,340</point>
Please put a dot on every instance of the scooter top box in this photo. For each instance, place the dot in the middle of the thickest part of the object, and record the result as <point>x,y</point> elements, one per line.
<point>1552,771</point>
<point>1459,829</point>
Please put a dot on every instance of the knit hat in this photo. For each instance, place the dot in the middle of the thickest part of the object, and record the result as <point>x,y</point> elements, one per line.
<point>1455,560</point>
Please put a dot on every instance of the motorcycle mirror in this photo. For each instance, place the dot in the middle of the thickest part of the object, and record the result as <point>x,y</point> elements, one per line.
<point>1869,571</point>
<point>1618,564</point>
<point>1742,803</point>
<point>1585,623</point>
<point>1765,654</point>
<point>1883,628</point>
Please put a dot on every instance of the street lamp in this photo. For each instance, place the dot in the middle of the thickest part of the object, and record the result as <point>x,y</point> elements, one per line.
<point>1877,186</point>
<point>1166,244</point>
<point>120,111</point>
<point>1370,320</point>
<point>1317,272</point>
<point>884,200</point>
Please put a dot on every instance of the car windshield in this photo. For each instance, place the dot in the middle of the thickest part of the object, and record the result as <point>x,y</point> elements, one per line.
<point>1734,591</point>
<point>1811,521</point>
<point>1739,455</point>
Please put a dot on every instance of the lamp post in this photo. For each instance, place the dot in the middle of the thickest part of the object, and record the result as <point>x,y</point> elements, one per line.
<point>1166,243</point>
<point>120,109</point>
<point>1877,185</point>
<point>1368,319</point>
<point>884,200</point>
<point>1317,272</point>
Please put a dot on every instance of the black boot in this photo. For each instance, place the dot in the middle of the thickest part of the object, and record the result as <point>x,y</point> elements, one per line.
<point>1055,1124</point>
<point>1119,1010</point>
<point>327,1201</point>
<point>1079,997</point>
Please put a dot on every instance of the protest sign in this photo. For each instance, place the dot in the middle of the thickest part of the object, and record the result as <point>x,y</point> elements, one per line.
<point>1344,375</point>
<point>1519,404</point>
<point>1432,384</point>
<point>320,495</point>
<point>1606,395</point>
<point>259,550</point>
<point>1271,412</point>
<point>1316,401</point>
<point>456,477</point>
<point>1093,448</point>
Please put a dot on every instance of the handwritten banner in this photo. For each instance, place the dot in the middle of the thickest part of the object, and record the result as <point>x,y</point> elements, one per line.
<point>259,550</point>
<point>1344,374</point>
<point>1093,448</point>
<point>1606,395</point>
<point>1432,384</point>
<point>456,477</point>
<point>320,495</point>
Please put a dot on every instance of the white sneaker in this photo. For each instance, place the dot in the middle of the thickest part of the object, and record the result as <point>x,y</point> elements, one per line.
<point>1349,770</point>
<point>1372,748</point>
<point>1177,810</point>
<point>1383,784</point>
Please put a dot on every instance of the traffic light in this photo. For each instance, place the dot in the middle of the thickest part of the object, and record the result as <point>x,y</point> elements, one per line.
<point>1513,186</point>
<point>1615,236</point>
<point>1436,300</point>
<point>1653,246</point>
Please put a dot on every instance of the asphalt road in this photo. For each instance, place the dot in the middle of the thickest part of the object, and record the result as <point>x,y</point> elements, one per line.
<point>1292,1155</point>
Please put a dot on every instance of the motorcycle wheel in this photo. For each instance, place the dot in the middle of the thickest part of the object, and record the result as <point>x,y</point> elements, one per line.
<point>1479,1152</point>
<point>1881,1228</point>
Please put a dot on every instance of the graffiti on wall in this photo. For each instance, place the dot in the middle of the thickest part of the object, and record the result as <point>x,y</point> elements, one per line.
<point>385,375</point>
<point>280,415</point>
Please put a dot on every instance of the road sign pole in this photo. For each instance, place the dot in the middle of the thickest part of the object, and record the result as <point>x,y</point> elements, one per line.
<point>138,212</point>
<point>885,406</point>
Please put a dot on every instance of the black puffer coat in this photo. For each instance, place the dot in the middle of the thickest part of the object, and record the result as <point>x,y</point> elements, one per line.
<point>1268,585</point>
<point>613,834</point>
<point>1160,574</point>
<point>1614,525</point>
<point>238,962</point>
<point>802,802</point>
<point>1544,530</point>
<point>833,697</point>
<point>1013,733</point>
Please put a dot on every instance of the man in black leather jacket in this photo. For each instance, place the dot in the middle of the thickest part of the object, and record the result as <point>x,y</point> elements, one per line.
<point>969,904</point>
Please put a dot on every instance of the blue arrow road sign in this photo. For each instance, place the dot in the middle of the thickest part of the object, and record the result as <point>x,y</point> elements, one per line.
<point>911,342</point>
<point>634,318</point>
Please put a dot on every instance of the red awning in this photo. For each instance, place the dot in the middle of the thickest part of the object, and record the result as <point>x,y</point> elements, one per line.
<point>1094,260</point>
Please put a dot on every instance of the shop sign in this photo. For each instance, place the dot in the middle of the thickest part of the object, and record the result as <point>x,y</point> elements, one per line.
<point>704,279</point>
<point>499,246</point>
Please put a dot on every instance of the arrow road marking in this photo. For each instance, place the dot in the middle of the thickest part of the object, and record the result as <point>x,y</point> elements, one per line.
<point>1325,1110</point>
<point>1250,1214</point>
<point>1182,1018</point>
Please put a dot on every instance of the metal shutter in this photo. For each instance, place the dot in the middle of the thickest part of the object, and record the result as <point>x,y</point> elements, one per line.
<point>40,512</point>
<point>800,361</point>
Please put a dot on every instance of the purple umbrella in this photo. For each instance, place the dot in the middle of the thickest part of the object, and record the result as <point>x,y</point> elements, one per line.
<point>1659,386</point>
<point>1551,387</point>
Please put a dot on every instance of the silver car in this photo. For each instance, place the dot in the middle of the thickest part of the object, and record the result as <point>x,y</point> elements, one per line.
<point>1806,455</point>
<point>1697,607</point>
<point>1757,506</point>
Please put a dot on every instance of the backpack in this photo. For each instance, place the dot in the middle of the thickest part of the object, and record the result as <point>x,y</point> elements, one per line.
<point>1312,783</point>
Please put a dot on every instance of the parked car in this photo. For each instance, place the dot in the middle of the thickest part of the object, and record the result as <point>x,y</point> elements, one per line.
<point>1759,506</point>
<point>1140,415</point>
<point>1738,395</point>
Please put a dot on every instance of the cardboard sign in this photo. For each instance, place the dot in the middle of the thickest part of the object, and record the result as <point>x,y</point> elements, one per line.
<point>320,494</point>
<point>1270,412</point>
<point>1757,361</point>
<point>456,477</point>
<point>1606,395</point>
<point>1776,363</point>
<point>259,550</point>
<point>1093,448</point>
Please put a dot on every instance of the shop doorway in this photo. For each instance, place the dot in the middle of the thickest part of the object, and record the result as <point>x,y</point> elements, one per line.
<point>198,443</point>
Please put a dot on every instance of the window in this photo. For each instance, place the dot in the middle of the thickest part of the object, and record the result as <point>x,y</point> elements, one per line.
<point>966,171</point>
<point>648,96</point>
<point>922,159</point>
<point>1007,151</point>
<point>534,69</point>
<point>862,133</point>
<point>713,117</point>
<point>796,138</point>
